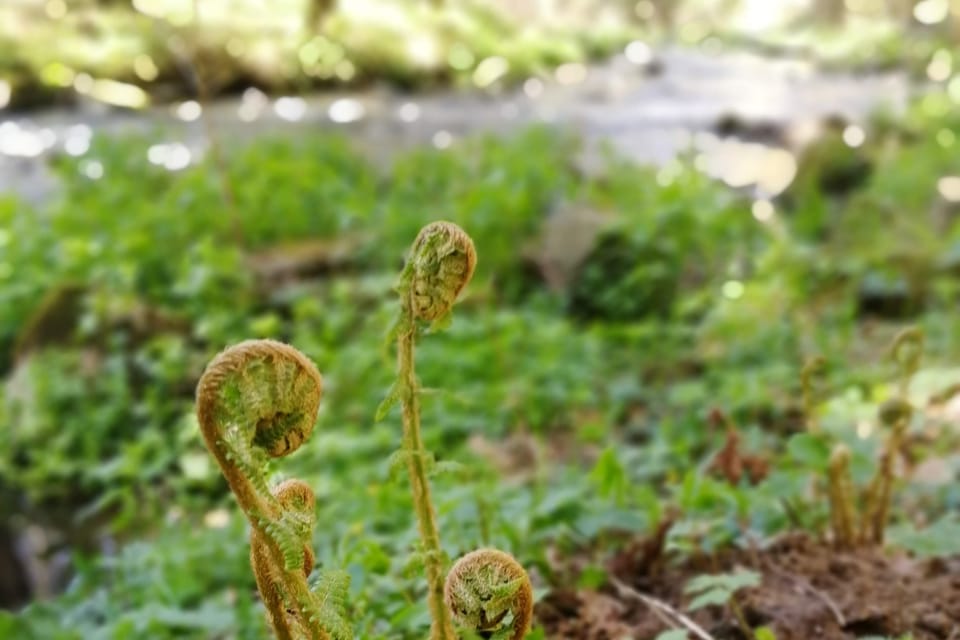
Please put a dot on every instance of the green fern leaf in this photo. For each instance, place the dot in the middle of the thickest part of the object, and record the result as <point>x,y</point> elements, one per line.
<point>329,608</point>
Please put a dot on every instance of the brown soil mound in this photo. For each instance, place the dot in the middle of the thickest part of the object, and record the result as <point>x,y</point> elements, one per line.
<point>809,591</point>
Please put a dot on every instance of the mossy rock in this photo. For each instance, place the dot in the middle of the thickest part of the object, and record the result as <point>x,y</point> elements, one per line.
<point>625,277</point>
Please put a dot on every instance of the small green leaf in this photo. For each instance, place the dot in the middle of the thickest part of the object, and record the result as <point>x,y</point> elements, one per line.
<point>716,596</point>
<point>592,577</point>
<point>398,460</point>
<point>764,633</point>
<point>448,467</point>
<point>809,450</point>
<point>941,538</point>
<point>392,397</point>
<point>731,582</point>
<point>609,475</point>
<point>441,323</point>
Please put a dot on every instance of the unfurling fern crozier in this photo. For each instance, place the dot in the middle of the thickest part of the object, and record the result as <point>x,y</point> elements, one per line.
<point>257,400</point>
<point>484,587</point>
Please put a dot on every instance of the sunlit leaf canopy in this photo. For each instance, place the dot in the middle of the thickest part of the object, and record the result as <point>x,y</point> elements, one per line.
<point>126,54</point>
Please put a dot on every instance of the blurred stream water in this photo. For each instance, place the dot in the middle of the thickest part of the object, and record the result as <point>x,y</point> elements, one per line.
<point>742,115</point>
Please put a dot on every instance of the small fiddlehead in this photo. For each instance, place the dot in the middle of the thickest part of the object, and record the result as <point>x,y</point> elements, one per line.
<point>895,414</point>
<point>483,587</point>
<point>441,264</point>
<point>841,496</point>
<point>257,400</point>
<point>907,351</point>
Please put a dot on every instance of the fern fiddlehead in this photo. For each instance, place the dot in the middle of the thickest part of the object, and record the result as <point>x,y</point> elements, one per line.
<point>484,586</point>
<point>441,263</point>
<point>257,400</point>
<point>906,351</point>
<point>841,496</point>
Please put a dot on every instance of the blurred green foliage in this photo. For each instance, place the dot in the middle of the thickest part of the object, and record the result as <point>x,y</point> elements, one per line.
<point>697,305</point>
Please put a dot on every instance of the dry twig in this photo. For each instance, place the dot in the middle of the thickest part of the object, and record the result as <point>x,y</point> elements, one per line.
<point>662,610</point>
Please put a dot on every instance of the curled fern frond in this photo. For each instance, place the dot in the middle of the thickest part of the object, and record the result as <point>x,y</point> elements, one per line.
<point>484,586</point>
<point>266,389</point>
<point>907,351</point>
<point>895,411</point>
<point>442,260</point>
<point>257,400</point>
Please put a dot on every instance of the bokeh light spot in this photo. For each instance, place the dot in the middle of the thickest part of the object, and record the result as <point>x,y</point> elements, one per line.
<point>733,289</point>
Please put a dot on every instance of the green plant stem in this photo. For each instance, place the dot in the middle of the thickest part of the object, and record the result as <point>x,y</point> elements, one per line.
<point>840,494</point>
<point>881,488</point>
<point>416,465</point>
<point>256,509</point>
<point>741,619</point>
<point>265,567</point>
<point>299,592</point>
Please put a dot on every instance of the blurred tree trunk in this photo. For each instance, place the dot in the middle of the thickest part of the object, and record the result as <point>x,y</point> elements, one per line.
<point>901,11</point>
<point>829,12</point>
<point>667,13</point>
<point>317,10</point>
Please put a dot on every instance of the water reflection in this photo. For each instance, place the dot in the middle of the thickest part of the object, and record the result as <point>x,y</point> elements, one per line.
<point>172,156</point>
<point>533,87</point>
<point>571,73</point>
<point>252,105</point>
<point>76,146</point>
<point>77,139</point>
<point>647,117</point>
<point>409,112</point>
<point>770,170</point>
<point>189,111</point>
<point>18,142</point>
<point>291,109</point>
<point>442,139</point>
<point>346,110</point>
<point>639,53</point>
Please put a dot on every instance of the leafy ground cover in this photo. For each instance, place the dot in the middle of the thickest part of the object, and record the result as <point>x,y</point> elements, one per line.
<point>639,425</point>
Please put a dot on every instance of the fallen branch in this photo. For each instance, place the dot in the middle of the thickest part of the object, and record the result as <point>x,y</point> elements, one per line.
<point>809,588</point>
<point>662,610</point>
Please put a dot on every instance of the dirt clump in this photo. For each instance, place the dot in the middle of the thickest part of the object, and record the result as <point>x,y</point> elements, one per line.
<point>809,590</point>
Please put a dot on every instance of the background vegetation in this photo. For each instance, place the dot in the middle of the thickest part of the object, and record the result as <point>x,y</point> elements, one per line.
<point>578,402</point>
